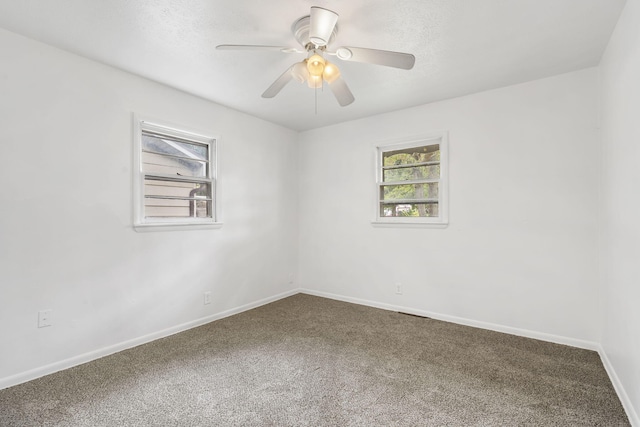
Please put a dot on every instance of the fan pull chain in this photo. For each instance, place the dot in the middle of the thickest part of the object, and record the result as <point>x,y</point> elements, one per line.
<point>315,93</point>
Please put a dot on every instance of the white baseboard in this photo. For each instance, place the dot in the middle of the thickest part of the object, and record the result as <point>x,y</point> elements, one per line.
<point>573,342</point>
<point>617,385</point>
<point>96,354</point>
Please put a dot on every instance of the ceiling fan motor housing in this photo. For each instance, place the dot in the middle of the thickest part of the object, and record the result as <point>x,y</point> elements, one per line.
<point>300,30</point>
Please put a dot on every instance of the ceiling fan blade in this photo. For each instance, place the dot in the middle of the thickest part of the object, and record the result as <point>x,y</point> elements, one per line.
<point>322,23</point>
<point>341,92</point>
<point>280,83</point>
<point>258,47</point>
<point>378,57</point>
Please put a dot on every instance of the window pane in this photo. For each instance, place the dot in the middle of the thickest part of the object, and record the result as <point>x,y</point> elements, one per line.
<point>407,174</point>
<point>409,209</point>
<point>158,163</point>
<point>157,187</point>
<point>409,156</point>
<point>177,199</point>
<point>409,191</point>
<point>174,147</point>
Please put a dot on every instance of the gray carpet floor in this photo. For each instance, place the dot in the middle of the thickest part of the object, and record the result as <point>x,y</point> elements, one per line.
<point>309,361</point>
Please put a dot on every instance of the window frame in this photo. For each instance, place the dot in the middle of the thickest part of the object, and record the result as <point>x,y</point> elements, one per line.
<point>162,128</point>
<point>441,221</point>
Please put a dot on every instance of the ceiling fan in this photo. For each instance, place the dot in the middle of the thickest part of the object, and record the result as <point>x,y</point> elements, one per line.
<point>314,32</point>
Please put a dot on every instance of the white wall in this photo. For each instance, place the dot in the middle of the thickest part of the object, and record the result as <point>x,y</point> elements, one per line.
<point>521,248</point>
<point>66,237</point>
<point>620,229</point>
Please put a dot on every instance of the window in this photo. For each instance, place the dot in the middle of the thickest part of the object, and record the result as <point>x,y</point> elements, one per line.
<point>411,184</point>
<point>174,177</point>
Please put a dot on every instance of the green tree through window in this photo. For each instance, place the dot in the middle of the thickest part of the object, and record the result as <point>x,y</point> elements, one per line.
<point>411,177</point>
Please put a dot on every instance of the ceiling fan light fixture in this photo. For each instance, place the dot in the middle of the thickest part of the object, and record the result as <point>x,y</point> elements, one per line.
<point>315,65</point>
<point>331,72</point>
<point>300,71</point>
<point>314,82</point>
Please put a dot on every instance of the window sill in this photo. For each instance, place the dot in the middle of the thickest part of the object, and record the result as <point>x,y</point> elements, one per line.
<point>173,226</point>
<point>408,224</point>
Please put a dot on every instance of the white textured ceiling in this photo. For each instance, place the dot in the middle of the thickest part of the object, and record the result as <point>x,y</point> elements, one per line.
<point>461,46</point>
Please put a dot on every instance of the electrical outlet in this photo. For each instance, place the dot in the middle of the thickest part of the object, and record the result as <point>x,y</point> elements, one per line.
<point>207,298</point>
<point>290,278</point>
<point>399,288</point>
<point>44,318</point>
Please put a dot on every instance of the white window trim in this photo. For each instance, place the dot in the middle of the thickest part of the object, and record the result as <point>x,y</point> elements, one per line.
<point>442,221</point>
<point>140,223</point>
